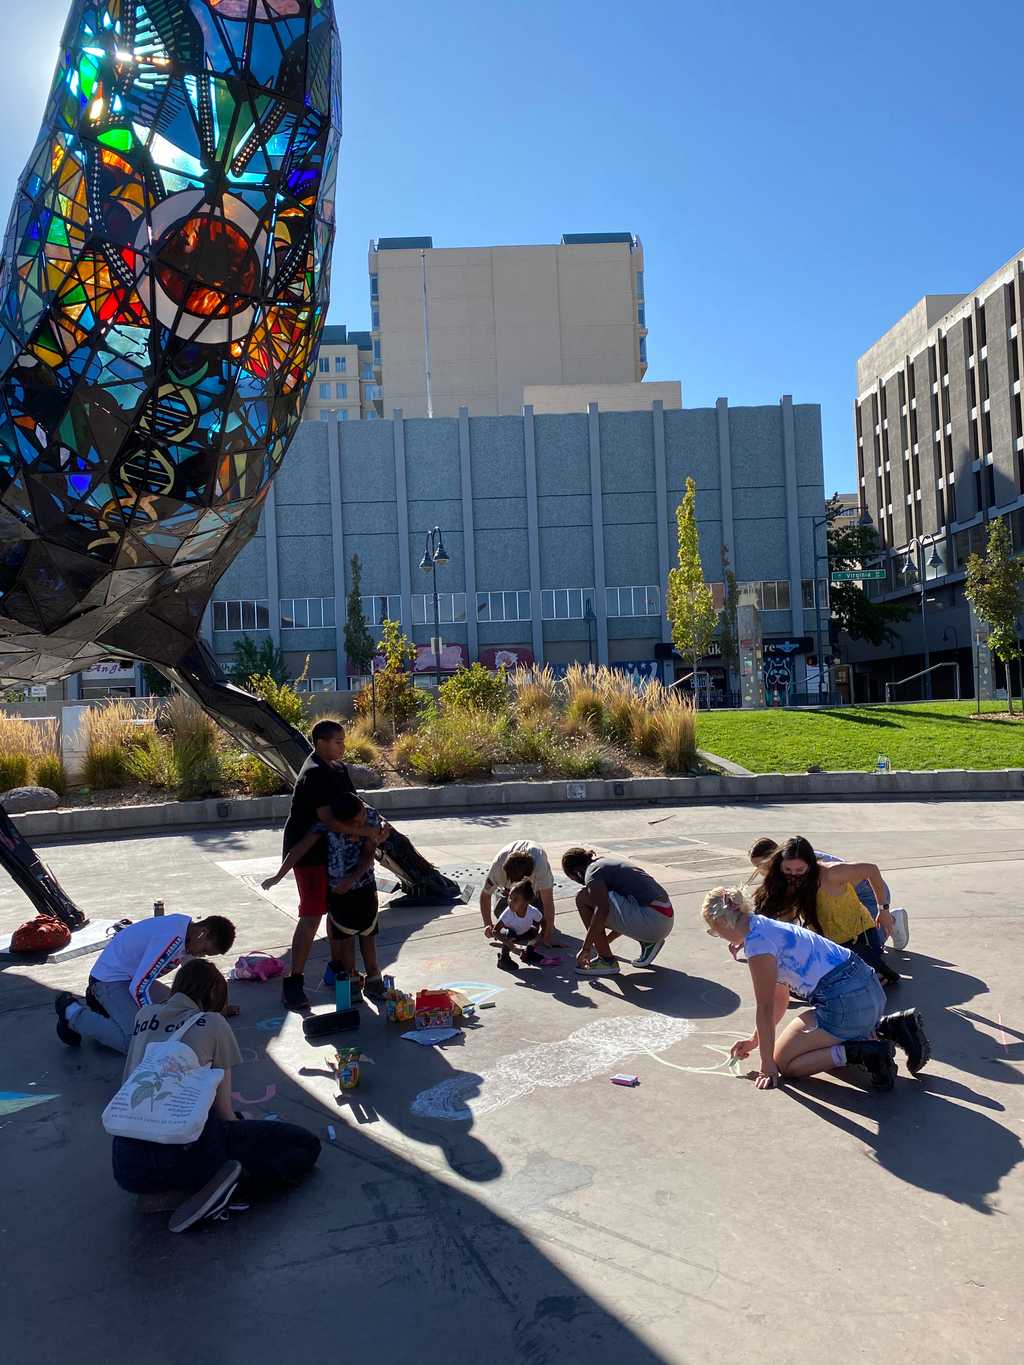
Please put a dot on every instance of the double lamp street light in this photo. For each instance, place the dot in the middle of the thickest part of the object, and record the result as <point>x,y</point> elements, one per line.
<point>435,555</point>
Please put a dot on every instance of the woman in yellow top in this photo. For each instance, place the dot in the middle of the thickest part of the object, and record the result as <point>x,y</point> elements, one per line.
<point>824,898</point>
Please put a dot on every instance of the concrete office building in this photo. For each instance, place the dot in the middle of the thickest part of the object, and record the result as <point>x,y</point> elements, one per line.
<point>940,452</point>
<point>608,397</point>
<point>344,388</point>
<point>560,529</point>
<point>502,318</point>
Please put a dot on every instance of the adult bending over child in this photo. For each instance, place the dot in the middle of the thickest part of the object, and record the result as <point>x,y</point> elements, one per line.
<point>517,862</point>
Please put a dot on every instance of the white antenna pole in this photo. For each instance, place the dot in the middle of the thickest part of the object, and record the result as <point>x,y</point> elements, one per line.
<point>426,337</point>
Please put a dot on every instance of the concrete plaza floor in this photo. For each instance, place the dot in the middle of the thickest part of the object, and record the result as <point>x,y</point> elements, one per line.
<point>500,1200</point>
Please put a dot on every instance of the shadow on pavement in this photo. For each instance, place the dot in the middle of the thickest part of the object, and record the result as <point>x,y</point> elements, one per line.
<point>375,1254</point>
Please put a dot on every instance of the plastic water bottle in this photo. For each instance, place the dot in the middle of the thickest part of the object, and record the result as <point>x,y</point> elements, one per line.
<point>882,764</point>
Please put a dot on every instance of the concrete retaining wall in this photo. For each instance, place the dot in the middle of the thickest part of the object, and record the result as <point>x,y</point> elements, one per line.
<point>398,801</point>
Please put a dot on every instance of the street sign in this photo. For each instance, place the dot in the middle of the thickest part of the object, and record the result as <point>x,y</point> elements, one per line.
<point>858,575</point>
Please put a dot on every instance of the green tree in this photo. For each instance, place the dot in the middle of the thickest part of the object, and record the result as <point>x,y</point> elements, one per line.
<point>252,660</point>
<point>393,692</point>
<point>360,646</point>
<point>851,546</point>
<point>691,609</point>
<point>728,631</point>
<point>994,586</point>
<point>156,684</point>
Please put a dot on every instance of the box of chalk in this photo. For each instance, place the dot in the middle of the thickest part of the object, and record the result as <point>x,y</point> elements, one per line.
<point>323,1025</point>
<point>623,1079</point>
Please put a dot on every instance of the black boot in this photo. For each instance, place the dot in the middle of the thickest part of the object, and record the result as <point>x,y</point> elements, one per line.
<point>906,1030</point>
<point>293,996</point>
<point>877,1058</point>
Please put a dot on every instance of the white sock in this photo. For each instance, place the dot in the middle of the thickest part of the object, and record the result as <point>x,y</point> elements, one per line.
<point>839,1054</point>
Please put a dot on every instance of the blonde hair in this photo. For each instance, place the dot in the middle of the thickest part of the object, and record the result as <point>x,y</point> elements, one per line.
<point>724,908</point>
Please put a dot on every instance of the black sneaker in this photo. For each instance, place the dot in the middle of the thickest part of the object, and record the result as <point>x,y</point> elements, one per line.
<point>210,1201</point>
<point>877,1058</point>
<point>531,956</point>
<point>506,962</point>
<point>906,1030</point>
<point>374,988</point>
<point>292,994</point>
<point>65,1032</point>
<point>648,952</point>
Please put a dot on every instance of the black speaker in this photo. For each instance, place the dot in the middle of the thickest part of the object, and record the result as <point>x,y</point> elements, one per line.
<point>323,1025</point>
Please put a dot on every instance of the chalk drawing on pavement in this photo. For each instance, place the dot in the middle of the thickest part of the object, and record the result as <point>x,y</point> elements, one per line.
<point>12,1101</point>
<point>593,1050</point>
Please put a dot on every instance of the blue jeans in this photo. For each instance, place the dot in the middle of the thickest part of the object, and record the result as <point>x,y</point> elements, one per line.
<point>114,1032</point>
<point>274,1156</point>
<point>849,1001</point>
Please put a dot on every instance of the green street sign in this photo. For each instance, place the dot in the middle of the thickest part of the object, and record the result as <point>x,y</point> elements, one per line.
<point>858,576</point>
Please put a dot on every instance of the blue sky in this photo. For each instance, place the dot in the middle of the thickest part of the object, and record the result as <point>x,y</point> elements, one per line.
<point>800,172</point>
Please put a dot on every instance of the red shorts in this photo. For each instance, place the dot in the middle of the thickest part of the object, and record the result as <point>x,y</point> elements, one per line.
<point>312,884</point>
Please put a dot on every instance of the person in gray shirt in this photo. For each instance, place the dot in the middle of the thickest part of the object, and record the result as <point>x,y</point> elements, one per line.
<point>620,897</point>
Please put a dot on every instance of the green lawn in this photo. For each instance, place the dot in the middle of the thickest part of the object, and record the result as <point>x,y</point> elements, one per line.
<point>925,735</point>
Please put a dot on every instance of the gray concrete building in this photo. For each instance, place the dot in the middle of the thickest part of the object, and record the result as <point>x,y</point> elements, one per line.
<point>940,453</point>
<point>560,530</point>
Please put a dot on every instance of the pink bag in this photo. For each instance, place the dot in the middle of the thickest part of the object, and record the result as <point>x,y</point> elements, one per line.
<point>257,966</point>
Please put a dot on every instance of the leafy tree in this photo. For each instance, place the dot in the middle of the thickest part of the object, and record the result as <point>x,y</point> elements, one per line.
<point>156,684</point>
<point>994,587</point>
<point>264,660</point>
<point>728,631</point>
<point>393,691</point>
<point>691,608</point>
<point>360,646</point>
<point>476,689</point>
<point>851,546</point>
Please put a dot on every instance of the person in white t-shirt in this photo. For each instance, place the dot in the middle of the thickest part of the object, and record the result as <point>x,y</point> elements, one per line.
<point>517,927</point>
<point>515,862</point>
<point>844,1027</point>
<point>127,970</point>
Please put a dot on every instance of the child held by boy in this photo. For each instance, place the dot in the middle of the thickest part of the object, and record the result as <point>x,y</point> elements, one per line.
<point>352,904</point>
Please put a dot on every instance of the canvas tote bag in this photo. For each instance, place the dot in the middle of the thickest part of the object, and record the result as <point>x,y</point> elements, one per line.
<point>167,1097</point>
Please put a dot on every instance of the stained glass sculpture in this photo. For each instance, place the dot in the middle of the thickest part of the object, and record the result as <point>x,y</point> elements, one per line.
<point>164,286</point>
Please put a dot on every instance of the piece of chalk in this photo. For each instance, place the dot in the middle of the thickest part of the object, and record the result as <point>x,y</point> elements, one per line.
<point>625,1080</point>
<point>487,1004</point>
<point>332,1135</point>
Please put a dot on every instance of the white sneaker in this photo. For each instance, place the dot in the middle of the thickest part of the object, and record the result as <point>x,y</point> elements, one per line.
<point>900,929</point>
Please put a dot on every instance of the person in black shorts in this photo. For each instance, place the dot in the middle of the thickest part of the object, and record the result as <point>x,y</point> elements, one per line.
<point>351,899</point>
<point>323,780</point>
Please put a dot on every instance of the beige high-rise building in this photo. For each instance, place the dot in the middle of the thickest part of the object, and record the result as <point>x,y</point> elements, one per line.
<point>345,386</point>
<point>502,318</point>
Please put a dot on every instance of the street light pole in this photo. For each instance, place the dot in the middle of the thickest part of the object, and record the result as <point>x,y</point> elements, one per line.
<point>434,554</point>
<point>935,561</point>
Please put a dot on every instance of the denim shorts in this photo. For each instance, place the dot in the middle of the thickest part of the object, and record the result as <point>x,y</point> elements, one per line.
<point>849,1001</point>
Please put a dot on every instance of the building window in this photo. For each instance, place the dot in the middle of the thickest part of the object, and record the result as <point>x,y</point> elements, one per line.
<point>343,415</point>
<point>326,414</point>
<point>639,284</point>
<point>325,364</point>
<point>377,610</point>
<point>341,390</point>
<point>772,595</point>
<point>643,350</point>
<point>451,608</point>
<point>307,613</point>
<point>375,320</point>
<point>644,601</point>
<point>503,606</point>
<point>641,315</point>
<point>325,391</point>
<point>376,350</point>
<point>241,616</point>
<point>315,684</point>
<point>340,364</point>
<point>374,287</point>
<point>565,604</point>
<point>366,372</point>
